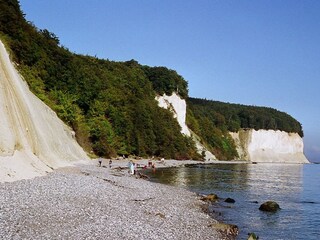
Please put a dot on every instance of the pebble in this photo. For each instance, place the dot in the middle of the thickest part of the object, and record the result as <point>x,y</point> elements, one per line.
<point>89,202</point>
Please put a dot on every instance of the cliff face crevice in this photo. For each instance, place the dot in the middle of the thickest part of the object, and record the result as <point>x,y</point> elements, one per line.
<point>33,140</point>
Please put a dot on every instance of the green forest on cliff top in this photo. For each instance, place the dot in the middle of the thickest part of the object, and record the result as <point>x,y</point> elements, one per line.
<point>111,105</point>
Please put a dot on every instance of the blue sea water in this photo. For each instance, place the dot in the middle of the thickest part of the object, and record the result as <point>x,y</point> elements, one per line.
<point>295,187</point>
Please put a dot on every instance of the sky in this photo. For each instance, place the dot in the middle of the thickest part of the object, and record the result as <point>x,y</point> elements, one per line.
<point>262,53</point>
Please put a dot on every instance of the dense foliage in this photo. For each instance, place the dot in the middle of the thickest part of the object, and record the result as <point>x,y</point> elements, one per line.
<point>213,134</point>
<point>165,81</point>
<point>111,105</point>
<point>232,117</point>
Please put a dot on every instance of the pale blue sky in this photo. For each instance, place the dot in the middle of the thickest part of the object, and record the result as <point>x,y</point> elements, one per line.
<point>264,53</point>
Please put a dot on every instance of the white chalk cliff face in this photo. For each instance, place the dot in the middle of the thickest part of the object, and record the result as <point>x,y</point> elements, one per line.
<point>252,145</point>
<point>178,107</point>
<point>269,146</point>
<point>33,140</point>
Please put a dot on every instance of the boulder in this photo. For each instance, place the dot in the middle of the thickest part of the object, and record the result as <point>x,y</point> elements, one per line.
<point>230,200</point>
<point>269,206</point>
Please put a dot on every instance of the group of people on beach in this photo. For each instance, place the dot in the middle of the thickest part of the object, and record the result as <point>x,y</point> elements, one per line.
<point>133,167</point>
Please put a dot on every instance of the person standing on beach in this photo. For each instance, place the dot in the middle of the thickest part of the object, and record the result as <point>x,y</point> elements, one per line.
<point>131,167</point>
<point>100,162</point>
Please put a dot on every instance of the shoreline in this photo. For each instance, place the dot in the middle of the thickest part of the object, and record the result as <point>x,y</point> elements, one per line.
<point>169,163</point>
<point>91,202</point>
<point>15,168</point>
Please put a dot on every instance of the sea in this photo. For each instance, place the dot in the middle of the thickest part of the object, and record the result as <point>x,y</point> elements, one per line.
<point>295,187</point>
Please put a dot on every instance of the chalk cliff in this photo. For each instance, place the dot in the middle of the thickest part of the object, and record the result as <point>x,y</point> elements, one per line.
<point>33,140</point>
<point>269,146</point>
<point>252,145</point>
<point>178,107</point>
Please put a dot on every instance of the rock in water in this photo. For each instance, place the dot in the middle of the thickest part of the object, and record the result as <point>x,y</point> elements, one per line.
<point>269,206</point>
<point>230,200</point>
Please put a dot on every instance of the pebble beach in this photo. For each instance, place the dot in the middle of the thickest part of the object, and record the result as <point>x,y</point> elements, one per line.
<point>92,202</point>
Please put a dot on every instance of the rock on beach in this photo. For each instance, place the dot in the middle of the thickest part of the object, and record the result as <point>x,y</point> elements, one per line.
<point>91,202</point>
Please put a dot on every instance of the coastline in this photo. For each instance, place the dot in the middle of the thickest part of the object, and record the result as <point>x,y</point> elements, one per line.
<point>91,202</point>
<point>168,163</point>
